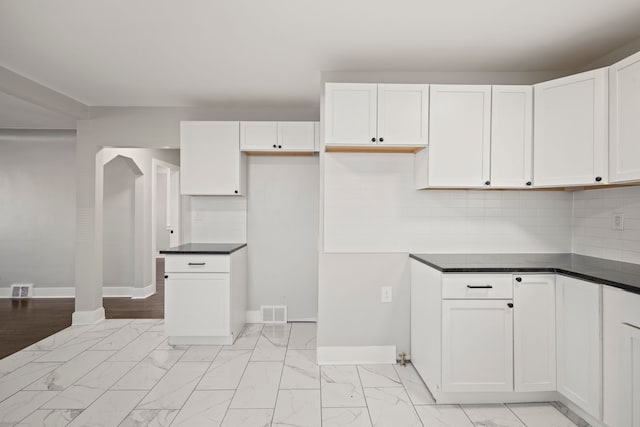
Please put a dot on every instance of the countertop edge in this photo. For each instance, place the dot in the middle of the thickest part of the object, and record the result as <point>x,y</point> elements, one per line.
<point>200,252</point>
<point>551,270</point>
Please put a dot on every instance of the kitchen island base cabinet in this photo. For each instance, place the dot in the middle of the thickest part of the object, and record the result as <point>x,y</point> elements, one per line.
<point>205,301</point>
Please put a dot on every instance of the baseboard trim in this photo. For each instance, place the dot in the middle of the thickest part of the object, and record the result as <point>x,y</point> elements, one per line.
<point>43,292</point>
<point>88,317</point>
<point>383,354</point>
<point>142,293</point>
<point>70,292</point>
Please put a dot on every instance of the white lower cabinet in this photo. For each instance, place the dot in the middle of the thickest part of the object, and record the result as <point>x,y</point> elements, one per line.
<point>205,298</point>
<point>630,365</point>
<point>578,326</point>
<point>534,333</point>
<point>477,345</point>
<point>198,304</point>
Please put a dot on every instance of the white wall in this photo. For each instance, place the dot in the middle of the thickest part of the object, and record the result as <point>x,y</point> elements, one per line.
<point>371,205</point>
<point>373,217</point>
<point>283,234</point>
<point>119,224</point>
<point>218,219</point>
<point>593,234</point>
<point>37,211</point>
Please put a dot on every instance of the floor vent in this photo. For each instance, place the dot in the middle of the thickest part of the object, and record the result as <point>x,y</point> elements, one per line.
<point>274,313</point>
<point>21,291</point>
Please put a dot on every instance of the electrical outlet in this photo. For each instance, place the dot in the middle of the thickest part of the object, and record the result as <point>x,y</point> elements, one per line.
<point>617,221</point>
<point>386,294</point>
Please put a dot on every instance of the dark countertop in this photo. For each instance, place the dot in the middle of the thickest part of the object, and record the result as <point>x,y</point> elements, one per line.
<point>205,248</point>
<point>622,275</point>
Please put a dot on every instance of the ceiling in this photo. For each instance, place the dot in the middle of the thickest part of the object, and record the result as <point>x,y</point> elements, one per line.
<point>236,52</point>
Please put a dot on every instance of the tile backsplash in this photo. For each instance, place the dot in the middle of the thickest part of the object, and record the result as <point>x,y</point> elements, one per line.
<point>593,225</point>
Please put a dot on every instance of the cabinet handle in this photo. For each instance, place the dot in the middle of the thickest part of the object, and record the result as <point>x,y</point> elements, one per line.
<point>479,286</point>
<point>166,276</point>
<point>518,279</point>
<point>196,263</point>
<point>487,183</point>
<point>381,139</point>
<point>279,146</point>
<point>373,140</point>
<point>510,305</point>
<point>274,145</point>
<point>529,183</point>
<point>236,191</point>
<point>598,178</point>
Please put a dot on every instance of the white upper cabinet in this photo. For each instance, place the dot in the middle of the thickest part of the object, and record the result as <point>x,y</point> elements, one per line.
<point>578,340</point>
<point>534,332</point>
<point>403,114</point>
<point>511,136</point>
<point>459,136</point>
<point>570,130</point>
<point>351,113</point>
<point>360,114</point>
<point>624,122</point>
<point>210,159</point>
<point>258,136</point>
<point>296,136</point>
<point>277,136</point>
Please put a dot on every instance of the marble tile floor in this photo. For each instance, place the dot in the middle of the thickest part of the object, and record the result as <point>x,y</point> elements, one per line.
<point>123,373</point>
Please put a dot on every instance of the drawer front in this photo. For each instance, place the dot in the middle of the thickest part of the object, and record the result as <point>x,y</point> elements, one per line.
<point>197,263</point>
<point>477,286</point>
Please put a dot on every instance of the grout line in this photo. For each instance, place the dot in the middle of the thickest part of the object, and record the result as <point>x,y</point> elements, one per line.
<point>235,391</point>
<point>366,401</point>
<point>515,415</point>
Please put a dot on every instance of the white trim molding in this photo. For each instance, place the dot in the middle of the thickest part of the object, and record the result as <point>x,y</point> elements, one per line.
<point>87,317</point>
<point>382,354</point>
<point>70,292</point>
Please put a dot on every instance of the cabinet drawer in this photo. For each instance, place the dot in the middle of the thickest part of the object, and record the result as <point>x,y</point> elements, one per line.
<point>477,286</point>
<point>197,263</point>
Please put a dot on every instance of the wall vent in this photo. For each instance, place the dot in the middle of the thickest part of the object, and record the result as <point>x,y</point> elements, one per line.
<point>274,313</point>
<point>21,290</point>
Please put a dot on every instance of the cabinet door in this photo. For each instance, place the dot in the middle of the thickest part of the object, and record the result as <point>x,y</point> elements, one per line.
<point>403,114</point>
<point>534,333</point>
<point>477,345</point>
<point>570,130</point>
<point>296,136</point>
<point>624,126</point>
<point>578,335</point>
<point>511,136</point>
<point>630,375</point>
<point>350,113</point>
<point>196,304</point>
<point>258,136</point>
<point>210,158</point>
<point>460,126</point>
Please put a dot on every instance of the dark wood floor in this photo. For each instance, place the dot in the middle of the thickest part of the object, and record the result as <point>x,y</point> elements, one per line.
<point>24,322</point>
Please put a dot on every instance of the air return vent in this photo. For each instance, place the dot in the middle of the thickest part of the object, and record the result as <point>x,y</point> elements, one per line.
<point>21,291</point>
<point>274,313</point>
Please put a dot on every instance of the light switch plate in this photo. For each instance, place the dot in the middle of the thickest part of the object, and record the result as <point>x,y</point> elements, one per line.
<point>617,221</point>
<point>386,294</point>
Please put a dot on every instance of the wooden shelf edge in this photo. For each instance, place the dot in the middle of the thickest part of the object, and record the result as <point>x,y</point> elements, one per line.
<point>372,149</point>
<point>280,153</point>
<point>577,188</point>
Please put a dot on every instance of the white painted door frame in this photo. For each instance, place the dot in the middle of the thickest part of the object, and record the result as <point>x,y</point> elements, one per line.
<point>173,209</point>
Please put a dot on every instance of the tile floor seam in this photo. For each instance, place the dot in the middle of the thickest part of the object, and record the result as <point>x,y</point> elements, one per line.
<point>286,351</point>
<point>235,390</point>
<point>364,395</point>
<point>516,415</point>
